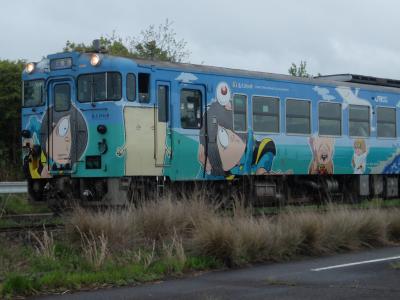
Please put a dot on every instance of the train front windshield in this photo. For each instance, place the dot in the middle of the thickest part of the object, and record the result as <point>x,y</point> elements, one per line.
<point>33,93</point>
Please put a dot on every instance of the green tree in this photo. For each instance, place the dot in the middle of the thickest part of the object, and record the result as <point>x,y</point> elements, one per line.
<point>300,70</point>
<point>155,43</point>
<point>113,44</point>
<point>10,108</point>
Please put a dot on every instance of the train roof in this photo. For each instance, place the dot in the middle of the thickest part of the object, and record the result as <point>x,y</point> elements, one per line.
<point>352,80</point>
<point>374,83</point>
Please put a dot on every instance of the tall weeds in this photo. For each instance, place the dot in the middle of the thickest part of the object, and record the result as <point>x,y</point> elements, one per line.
<point>45,244</point>
<point>175,229</point>
<point>95,248</point>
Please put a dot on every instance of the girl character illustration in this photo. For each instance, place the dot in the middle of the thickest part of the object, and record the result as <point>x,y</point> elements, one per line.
<point>359,161</point>
<point>66,140</point>
<point>322,150</point>
<point>228,152</point>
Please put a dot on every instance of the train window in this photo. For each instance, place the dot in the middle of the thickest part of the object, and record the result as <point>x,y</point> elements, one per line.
<point>85,88</point>
<point>114,86</point>
<point>359,120</point>
<point>62,97</point>
<point>191,110</point>
<point>99,87</point>
<point>162,97</point>
<point>144,87</point>
<point>298,119</point>
<point>386,119</point>
<point>330,118</point>
<point>33,93</point>
<point>239,112</point>
<point>131,87</point>
<point>265,114</point>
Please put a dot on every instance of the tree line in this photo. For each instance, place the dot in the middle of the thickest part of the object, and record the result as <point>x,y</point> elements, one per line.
<point>154,43</point>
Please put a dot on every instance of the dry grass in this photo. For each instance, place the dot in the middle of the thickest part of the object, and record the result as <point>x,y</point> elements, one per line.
<point>393,228</point>
<point>347,229</point>
<point>157,220</point>
<point>118,226</point>
<point>95,248</point>
<point>174,228</point>
<point>174,254</point>
<point>45,244</point>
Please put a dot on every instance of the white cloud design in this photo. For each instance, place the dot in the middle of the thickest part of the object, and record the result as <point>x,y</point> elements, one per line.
<point>349,97</point>
<point>324,93</point>
<point>186,77</point>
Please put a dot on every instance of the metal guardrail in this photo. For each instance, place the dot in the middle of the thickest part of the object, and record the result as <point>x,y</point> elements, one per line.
<point>13,187</point>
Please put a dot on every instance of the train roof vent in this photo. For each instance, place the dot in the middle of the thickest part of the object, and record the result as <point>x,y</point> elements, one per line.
<point>362,79</point>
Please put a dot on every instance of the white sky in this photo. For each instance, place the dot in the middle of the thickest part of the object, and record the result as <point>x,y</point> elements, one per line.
<point>336,36</point>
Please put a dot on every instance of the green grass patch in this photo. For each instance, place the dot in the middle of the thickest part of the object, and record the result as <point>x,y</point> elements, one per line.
<point>396,265</point>
<point>15,204</point>
<point>71,270</point>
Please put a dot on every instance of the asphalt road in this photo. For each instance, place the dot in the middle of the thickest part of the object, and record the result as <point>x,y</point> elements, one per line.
<point>362,275</point>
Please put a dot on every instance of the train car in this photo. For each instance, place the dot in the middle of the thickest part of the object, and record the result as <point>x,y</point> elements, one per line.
<point>102,130</point>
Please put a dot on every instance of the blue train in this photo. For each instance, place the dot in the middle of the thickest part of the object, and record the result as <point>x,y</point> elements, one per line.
<point>103,130</point>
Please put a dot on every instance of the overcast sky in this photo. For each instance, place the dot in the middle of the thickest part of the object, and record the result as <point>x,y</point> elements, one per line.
<point>336,36</point>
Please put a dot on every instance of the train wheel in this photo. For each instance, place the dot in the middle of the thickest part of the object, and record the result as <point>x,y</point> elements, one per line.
<point>36,191</point>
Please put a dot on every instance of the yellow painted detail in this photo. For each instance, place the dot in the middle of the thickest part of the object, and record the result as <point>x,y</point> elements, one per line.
<point>34,165</point>
<point>230,177</point>
<point>261,147</point>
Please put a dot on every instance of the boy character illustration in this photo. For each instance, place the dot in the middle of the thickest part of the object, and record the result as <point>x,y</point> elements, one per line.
<point>322,150</point>
<point>359,161</point>
<point>228,152</point>
<point>66,140</point>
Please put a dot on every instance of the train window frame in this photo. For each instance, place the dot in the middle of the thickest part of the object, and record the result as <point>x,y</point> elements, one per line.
<point>43,95</point>
<point>200,119</point>
<point>350,120</point>
<point>395,122</point>
<point>341,119</point>
<point>279,113</point>
<point>92,95</point>
<point>54,97</point>
<point>245,114</point>
<point>134,88</point>
<point>310,116</point>
<point>144,98</point>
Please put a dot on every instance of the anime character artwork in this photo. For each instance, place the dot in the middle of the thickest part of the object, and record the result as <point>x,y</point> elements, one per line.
<point>322,150</point>
<point>229,153</point>
<point>359,161</point>
<point>63,140</point>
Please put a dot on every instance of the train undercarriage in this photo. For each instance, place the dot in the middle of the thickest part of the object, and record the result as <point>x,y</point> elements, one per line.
<point>61,192</point>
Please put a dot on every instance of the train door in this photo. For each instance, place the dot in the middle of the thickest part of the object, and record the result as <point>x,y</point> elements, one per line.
<point>148,133</point>
<point>192,106</point>
<point>162,125</point>
<point>60,137</point>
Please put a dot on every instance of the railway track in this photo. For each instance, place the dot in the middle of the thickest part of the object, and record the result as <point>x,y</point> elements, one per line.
<point>30,228</point>
<point>30,222</point>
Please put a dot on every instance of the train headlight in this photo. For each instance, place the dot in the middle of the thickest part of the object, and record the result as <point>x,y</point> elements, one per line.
<point>102,129</point>
<point>95,60</point>
<point>26,134</point>
<point>30,67</point>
